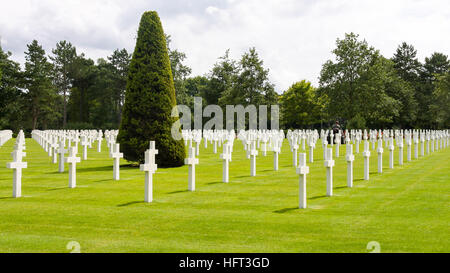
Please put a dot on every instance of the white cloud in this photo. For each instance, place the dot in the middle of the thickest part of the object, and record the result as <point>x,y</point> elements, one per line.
<point>294,38</point>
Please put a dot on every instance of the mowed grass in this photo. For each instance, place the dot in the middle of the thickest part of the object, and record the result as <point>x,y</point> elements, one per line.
<point>405,209</point>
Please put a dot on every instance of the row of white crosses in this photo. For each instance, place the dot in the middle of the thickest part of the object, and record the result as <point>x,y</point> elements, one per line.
<point>5,135</point>
<point>391,138</point>
<point>303,138</point>
<point>17,164</point>
<point>54,141</point>
<point>250,140</point>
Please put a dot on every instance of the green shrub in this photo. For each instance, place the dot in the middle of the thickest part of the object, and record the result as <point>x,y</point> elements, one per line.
<point>357,122</point>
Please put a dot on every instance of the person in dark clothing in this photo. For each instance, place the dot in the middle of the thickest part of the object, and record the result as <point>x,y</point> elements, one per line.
<point>336,127</point>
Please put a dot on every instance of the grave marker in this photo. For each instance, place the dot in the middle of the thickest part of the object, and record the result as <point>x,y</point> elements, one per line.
<point>72,159</point>
<point>17,165</point>
<point>191,161</point>
<point>329,163</point>
<point>302,171</point>
<point>116,155</point>
<point>149,167</point>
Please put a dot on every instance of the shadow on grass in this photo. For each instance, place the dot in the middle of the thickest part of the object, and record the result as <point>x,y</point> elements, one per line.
<point>241,176</point>
<point>341,187</point>
<point>285,210</point>
<point>172,192</point>
<point>130,203</point>
<point>317,197</point>
<point>56,172</point>
<point>104,168</point>
<point>8,197</point>
<point>212,183</point>
<point>55,189</point>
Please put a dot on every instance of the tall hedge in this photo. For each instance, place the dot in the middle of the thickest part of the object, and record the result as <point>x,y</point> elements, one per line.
<point>149,98</point>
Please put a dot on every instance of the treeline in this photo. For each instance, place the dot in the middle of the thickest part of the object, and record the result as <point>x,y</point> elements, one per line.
<point>62,90</point>
<point>359,87</point>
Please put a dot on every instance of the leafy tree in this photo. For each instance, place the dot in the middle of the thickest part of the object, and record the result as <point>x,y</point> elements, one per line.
<point>120,61</point>
<point>341,80</point>
<point>196,86</point>
<point>41,94</point>
<point>412,71</point>
<point>220,79</point>
<point>179,72</point>
<point>441,101</point>
<point>404,93</point>
<point>299,106</point>
<point>83,76</point>
<point>149,98</point>
<point>12,104</point>
<point>406,63</point>
<point>102,96</point>
<point>438,63</point>
<point>251,84</point>
<point>367,89</point>
<point>433,90</point>
<point>64,55</point>
<point>379,110</point>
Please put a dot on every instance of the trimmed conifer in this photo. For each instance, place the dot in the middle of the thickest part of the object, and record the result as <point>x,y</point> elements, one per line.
<point>149,99</point>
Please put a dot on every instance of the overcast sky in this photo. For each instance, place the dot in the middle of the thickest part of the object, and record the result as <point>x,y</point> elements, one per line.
<point>293,37</point>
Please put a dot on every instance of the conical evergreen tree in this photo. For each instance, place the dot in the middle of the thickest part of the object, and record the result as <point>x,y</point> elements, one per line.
<point>149,99</point>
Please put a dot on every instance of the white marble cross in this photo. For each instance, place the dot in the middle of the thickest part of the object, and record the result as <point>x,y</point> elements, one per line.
<point>400,150</point>
<point>247,144</point>
<point>264,146</point>
<point>17,165</point>
<point>380,155</point>
<point>253,154</point>
<point>99,143</point>
<point>84,143</point>
<point>192,161</point>
<point>116,155</point>
<point>50,146</point>
<point>55,152</point>
<point>329,163</point>
<point>416,145</point>
<point>391,153</point>
<point>338,143</point>
<point>226,157</point>
<point>302,171</point>
<point>216,139</point>
<point>358,141</point>
<point>149,167</point>
<point>197,141</point>
<point>76,139</point>
<point>276,150</point>
<point>408,144</point>
<point>311,150</point>
<point>72,159</point>
<point>422,143</point>
<point>324,148</point>
<point>366,155</point>
<point>349,157</point>
<point>61,152</point>
<point>294,154</point>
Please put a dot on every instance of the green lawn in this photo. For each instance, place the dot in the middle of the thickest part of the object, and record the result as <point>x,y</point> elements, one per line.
<point>405,209</point>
